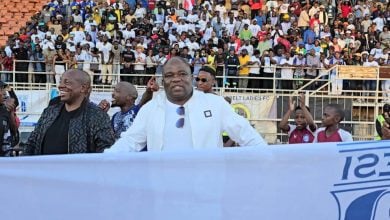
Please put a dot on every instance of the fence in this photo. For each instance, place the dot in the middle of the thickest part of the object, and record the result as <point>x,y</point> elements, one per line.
<point>361,106</point>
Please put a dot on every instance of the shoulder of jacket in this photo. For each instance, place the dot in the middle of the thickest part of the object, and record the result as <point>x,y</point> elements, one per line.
<point>95,110</point>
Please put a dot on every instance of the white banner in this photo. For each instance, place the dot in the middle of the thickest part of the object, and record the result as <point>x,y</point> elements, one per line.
<point>294,182</point>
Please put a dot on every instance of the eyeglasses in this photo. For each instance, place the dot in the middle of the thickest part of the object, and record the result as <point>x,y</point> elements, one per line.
<point>180,111</point>
<point>201,79</point>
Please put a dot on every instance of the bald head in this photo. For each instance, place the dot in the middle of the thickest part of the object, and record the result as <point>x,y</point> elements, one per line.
<point>80,76</point>
<point>128,89</point>
<point>177,60</point>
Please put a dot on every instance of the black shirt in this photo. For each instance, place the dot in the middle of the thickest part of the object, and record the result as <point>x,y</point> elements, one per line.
<point>4,128</point>
<point>56,137</point>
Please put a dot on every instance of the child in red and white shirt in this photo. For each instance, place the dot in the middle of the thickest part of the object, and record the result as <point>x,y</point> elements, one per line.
<point>302,131</point>
<point>331,118</point>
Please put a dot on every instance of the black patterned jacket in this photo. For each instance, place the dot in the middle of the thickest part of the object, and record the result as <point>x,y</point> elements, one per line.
<point>89,132</point>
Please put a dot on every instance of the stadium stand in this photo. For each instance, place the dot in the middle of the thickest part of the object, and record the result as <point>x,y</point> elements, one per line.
<point>14,14</point>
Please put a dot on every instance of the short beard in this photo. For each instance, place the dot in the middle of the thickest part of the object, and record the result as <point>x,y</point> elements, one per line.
<point>114,105</point>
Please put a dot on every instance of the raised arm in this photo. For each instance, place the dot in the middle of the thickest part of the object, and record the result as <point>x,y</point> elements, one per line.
<point>308,116</point>
<point>152,86</point>
<point>283,125</point>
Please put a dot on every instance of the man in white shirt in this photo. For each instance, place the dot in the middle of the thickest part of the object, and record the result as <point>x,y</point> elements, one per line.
<point>287,73</point>
<point>247,46</point>
<point>128,33</point>
<point>380,22</point>
<point>192,46</point>
<point>182,118</point>
<point>139,64</point>
<point>370,85</point>
<point>221,9</point>
<point>88,23</point>
<point>377,52</point>
<point>105,49</point>
<point>254,70</point>
<point>254,27</point>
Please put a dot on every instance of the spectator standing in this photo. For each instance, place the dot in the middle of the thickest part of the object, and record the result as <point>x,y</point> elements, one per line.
<point>39,65</point>
<point>59,62</point>
<point>22,59</point>
<point>254,70</point>
<point>313,63</point>
<point>128,59</point>
<point>73,117</point>
<point>336,84</point>
<point>107,58</point>
<point>287,73</point>
<point>232,62</point>
<point>370,85</point>
<point>116,61</point>
<point>139,64</point>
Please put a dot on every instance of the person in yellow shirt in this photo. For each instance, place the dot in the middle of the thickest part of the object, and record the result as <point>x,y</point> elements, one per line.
<point>244,59</point>
<point>211,58</point>
<point>96,16</point>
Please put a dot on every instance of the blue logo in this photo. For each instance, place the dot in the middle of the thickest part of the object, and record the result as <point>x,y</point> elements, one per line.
<point>363,191</point>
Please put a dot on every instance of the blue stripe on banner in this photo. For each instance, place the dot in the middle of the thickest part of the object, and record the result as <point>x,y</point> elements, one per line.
<point>364,149</point>
<point>343,144</point>
<point>372,187</point>
<point>360,182</point>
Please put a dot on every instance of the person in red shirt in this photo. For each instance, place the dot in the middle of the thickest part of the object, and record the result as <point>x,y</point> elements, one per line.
<point>331,131</point>
<point>346,9</point>
<point>256,5</point>
<point>302,131</point>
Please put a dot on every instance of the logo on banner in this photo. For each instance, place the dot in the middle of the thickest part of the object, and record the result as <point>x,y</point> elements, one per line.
<point>363,190</point>
<point>242,110</point>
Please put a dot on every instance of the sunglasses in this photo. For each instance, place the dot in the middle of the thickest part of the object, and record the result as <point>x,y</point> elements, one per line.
<point>180,111</point>
<point>201,79</point>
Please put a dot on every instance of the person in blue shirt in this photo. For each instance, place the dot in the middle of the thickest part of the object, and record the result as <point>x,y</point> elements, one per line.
<point>261,18</point>
<point>124,96</point>
<point>309,35</point>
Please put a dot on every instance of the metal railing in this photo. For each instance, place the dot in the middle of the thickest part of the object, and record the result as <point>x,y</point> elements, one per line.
<point>360,118</point>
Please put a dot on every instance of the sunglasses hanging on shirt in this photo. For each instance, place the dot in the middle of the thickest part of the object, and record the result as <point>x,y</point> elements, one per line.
<point>180,122</point>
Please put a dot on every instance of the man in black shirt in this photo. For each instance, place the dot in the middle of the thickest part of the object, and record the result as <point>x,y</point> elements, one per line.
<point>128,58</point>
<point>73,125</point>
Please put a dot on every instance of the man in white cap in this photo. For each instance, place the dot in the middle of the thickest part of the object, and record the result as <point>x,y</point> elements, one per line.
<point>323,15</point>
<point>47,41</point>
<point>254,27</point>
<point>89,22</point>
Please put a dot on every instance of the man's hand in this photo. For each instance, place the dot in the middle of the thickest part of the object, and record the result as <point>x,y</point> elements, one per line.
<point>302,100</point>
<point>10,104</point>
<point>291,104</point>
<point>152,85</point>
<point>104,105</point>
<point>385,131</point>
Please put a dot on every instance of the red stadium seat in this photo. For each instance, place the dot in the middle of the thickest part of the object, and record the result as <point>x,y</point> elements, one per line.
<point>15,14</point>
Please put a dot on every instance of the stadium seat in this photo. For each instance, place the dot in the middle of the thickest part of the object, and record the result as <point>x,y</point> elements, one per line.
<point>15,14</point>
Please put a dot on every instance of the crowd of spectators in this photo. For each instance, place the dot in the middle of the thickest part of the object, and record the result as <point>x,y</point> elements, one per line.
<point>240,38</point>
